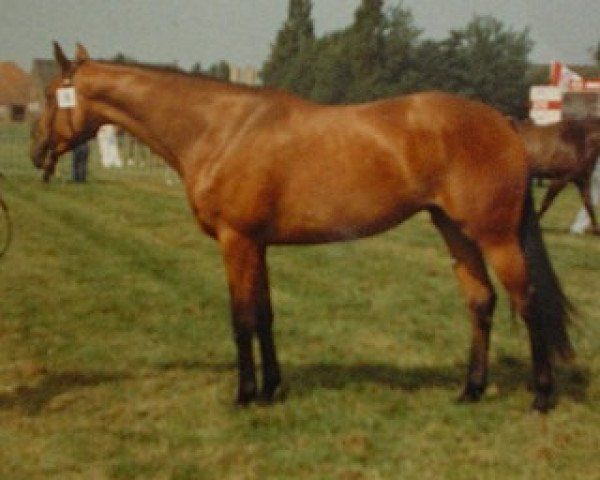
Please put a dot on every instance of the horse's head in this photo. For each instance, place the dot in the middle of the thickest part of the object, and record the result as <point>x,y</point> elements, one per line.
<point>63,123</point>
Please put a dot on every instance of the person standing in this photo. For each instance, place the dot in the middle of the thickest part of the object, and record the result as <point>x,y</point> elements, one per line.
<point>80,161</point>
<point>108,145</point>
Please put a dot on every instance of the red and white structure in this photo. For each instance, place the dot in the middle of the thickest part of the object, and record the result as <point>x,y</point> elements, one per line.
<point>564,77</point>
<point>566,94</point>
<point>546,104</point>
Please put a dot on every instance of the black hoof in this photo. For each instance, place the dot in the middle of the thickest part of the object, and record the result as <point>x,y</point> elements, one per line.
<point>277,394</point>
<point>246,397</point>
<point>543,403</point>
<point>471,394</point>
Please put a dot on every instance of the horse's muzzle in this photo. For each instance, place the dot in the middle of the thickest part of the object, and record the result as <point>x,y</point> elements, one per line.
<point>39,155</point>
<point>45,159</point>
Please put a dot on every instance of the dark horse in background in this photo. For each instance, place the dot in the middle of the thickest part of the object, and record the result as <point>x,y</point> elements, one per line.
<point>564,152</point>
<point>262,167</point>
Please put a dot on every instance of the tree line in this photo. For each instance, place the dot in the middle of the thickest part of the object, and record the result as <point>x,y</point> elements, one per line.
<point>383,53</point>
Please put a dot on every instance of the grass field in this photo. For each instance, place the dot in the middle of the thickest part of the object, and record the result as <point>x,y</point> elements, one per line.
<point>116,359</point>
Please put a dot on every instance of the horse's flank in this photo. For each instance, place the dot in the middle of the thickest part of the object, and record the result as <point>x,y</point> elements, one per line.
<point>558,149</point>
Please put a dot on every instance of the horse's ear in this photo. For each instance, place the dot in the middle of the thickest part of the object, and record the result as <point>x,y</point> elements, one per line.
<point>61,59</point>
<point>81,53</point>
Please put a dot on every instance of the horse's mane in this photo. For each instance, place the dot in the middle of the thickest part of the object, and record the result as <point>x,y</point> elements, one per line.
<point>172,69</point>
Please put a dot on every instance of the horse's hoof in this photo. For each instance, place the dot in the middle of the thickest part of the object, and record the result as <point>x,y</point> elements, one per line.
<point>471,394</point>
<point>245,397</point>
<point>274,395</point>
<point>543,403</point>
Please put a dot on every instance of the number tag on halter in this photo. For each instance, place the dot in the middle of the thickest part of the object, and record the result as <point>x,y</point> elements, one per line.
<point>66,97</point>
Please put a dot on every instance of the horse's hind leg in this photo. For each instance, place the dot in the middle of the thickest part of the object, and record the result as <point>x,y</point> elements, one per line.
<point>584,188</point>
<point>554,189</point>
<point>507,258</point>
<point>480,297</point>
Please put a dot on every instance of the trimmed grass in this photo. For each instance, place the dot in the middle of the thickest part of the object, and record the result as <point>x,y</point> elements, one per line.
<point>116,359</point>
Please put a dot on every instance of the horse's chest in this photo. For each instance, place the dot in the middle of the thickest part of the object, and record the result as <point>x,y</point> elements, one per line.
<point>202,196</point>
<point>244,206</point>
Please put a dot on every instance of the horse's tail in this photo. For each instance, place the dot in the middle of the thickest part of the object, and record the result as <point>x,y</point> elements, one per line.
<point>549,308</point>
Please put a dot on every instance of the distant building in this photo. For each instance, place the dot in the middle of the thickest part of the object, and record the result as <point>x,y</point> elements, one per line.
<point>42,73</point>
<point>247,75</point>
<point>15,87</point>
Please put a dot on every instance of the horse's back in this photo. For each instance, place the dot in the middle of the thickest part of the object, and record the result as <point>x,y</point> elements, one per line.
<point>376,164</point>
<point>307,173</point>
<point>480,170</point>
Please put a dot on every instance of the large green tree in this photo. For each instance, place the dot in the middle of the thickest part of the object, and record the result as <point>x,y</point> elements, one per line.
<point>331,69</point>
<point>287,66</point>
<point>371,58</point>
<point>399,69</point>
<point>349,64</point>
<point>485,60</point>
<point>365,50</point>
<point>381,54</point>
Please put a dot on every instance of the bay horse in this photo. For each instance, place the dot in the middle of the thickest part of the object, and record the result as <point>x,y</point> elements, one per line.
<point>263,167</point>
<point>564,152</point>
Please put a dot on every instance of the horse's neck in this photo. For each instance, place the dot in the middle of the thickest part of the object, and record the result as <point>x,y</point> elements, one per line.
<point>169,112</point>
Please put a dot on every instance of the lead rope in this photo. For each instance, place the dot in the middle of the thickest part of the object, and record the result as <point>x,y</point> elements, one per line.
<point>8,221</point>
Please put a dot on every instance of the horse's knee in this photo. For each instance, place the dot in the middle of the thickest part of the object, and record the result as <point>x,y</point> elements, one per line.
<point>483,305</point>
<point>476,287</point>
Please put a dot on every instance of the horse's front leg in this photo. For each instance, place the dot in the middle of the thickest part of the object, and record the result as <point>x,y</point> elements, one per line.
<point>251,312</point>
<point>49,168</point>
<point>554,189</point>
<point>271,389</point>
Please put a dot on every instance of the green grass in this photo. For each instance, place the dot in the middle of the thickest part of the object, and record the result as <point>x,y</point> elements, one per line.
<point>116,359</point>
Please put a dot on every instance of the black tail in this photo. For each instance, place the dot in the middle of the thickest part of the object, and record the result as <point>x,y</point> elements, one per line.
<point>549,308</point>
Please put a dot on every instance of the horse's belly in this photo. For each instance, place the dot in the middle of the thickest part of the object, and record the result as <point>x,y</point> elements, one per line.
<point>332,221</point>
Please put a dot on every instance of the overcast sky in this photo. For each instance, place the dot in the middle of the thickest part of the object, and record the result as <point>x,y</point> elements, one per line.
<point>241,31</point>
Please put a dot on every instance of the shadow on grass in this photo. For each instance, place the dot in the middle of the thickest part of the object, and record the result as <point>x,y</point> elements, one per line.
<point>32,399</point>
<point>508,374</point>
<point>571,380</point>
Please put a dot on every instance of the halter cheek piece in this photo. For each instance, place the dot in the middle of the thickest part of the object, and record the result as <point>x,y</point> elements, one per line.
<point>66,96</point>
<point>66,99</point>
